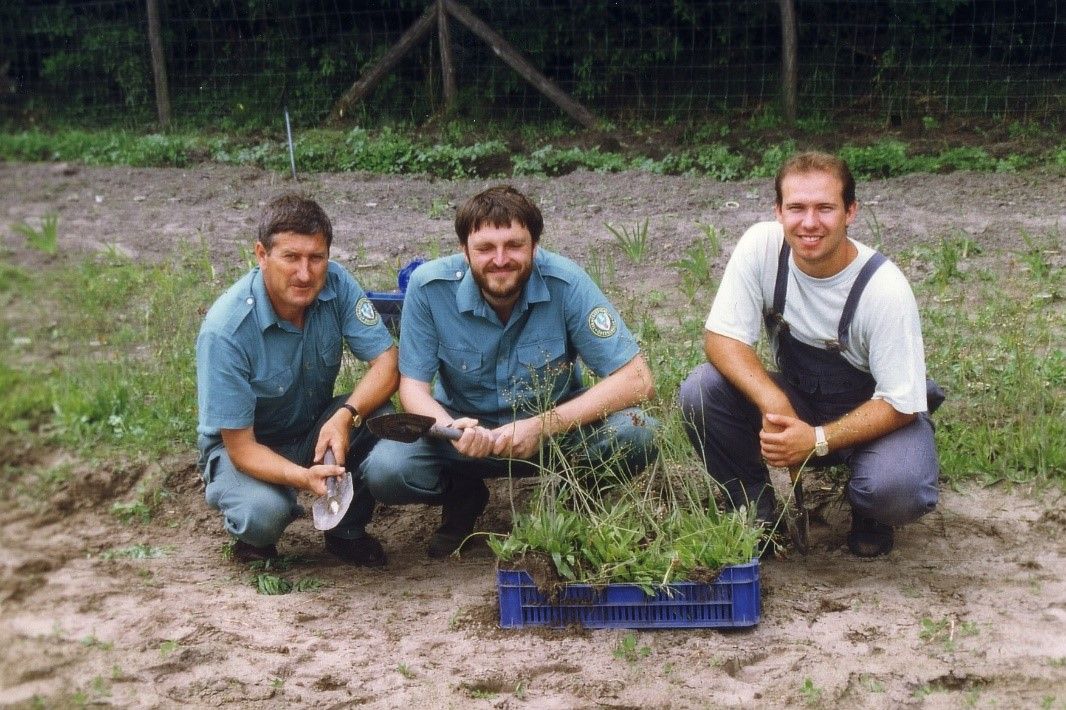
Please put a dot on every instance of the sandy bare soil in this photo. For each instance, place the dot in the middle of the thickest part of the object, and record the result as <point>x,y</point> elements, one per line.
<point>986,571</point>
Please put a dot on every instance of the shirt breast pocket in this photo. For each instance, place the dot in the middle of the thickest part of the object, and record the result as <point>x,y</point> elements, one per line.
<point>464,369</point>
<point>270,392</point>
<point>542,363</point>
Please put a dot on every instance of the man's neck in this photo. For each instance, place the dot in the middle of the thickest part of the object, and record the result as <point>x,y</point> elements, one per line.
<point>502,307</point>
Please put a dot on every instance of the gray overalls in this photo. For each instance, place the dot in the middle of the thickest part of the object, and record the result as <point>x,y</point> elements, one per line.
<point>893,478</point>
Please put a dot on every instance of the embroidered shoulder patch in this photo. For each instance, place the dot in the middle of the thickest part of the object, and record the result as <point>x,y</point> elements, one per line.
<point>365,312</point>
<point>601,323</point>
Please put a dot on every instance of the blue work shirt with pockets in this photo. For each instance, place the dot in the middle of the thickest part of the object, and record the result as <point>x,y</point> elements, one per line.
<point>254,369</point>
<point>495,371</point>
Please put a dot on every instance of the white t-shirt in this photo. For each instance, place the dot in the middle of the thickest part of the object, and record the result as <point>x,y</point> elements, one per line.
<point>885,336</point>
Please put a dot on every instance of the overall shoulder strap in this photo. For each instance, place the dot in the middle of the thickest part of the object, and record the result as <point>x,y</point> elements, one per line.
<point>848,314</point>
<point>781,285</point>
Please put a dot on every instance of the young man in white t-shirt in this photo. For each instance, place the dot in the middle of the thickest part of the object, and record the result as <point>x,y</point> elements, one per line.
<point>851,386</point>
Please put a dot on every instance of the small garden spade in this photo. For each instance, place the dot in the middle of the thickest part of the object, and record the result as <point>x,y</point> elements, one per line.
<point>328,510</point>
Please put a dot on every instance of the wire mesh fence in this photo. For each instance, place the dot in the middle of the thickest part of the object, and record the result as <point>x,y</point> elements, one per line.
<point>234,62</point>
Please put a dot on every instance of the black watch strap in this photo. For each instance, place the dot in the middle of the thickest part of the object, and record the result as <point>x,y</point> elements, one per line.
<point>357,419</point>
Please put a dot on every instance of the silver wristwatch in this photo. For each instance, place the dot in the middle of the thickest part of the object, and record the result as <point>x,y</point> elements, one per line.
<point>821,444</point>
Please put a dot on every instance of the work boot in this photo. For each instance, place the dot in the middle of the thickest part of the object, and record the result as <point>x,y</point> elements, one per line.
<point>246,554</point>
<point>869,538</point>
<point>363,551</point>
<point>464,502</point>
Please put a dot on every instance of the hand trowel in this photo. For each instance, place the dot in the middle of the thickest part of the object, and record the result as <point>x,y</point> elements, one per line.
<point>328,510</point>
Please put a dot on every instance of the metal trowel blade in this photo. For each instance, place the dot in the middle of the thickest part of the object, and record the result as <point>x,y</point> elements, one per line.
<point>328,510</point>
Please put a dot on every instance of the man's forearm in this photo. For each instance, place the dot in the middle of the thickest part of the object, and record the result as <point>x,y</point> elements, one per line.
<point>740,365</point>
<point>628,386</point>
<point>870,420</point>
<point>378,384</point>
<point>261,462</point>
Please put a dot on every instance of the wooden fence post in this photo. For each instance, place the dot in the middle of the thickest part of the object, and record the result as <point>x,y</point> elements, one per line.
<point>447,64</point>
<point>159,64</point>
<point>789,51</point>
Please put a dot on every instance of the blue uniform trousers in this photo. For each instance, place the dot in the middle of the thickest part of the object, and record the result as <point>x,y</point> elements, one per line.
<point>258,512</point>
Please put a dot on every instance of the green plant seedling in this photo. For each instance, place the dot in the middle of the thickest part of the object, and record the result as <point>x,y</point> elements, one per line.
<point>634,244</point>
<point>440,208</point>
<point>812,694</point>
<point>405,670</point>
<point>946,631</point>
<point>168,647</point>
<point>271,584</point>
<point>45,239</point>
<point>628,650</point>
<point>91,641</point>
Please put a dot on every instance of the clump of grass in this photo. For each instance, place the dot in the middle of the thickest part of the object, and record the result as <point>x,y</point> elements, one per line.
<point>595,525</point>
<point>45,239</point>
<point>997,351</point>
<point>634,243</point>
<point>273,584</point>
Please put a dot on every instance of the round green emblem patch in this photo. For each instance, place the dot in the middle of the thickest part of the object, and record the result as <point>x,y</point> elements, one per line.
<point>365,311</point>
<point>601,323</point>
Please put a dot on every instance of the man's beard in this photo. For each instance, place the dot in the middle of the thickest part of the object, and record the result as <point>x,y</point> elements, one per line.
<point>509,293</point>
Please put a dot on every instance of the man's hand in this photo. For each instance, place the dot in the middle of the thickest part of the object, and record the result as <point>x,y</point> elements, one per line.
<point>785,441</point>
<point>520,439</point>
<point>334,436</point>
<point>315,478</point>
<point>476,441</point>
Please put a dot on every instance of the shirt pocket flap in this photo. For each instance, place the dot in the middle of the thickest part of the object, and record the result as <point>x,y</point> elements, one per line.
<point>461,360</point>
<point>272,385</point>
<point>541,353</point>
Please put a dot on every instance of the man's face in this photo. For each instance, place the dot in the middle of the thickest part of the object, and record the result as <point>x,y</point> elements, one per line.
<point>501,260</point>
<point>294,272</point>
<point>815,220</point>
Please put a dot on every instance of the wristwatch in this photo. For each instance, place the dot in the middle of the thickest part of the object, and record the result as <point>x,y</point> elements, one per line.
<point>357,419</point>
<point>821,444</point>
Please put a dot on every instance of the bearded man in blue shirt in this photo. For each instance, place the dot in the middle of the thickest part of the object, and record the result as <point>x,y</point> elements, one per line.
<point>500,327</point>
<point>267,359</point>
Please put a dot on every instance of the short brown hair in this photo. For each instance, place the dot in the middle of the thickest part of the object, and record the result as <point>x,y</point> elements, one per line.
<point>498,206</point>
<point>815,162</point>
<point>295,213</point>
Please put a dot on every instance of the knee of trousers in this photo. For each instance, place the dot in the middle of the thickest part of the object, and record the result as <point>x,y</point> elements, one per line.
<point>385,473</point>
<point>894,497</point>
<point>635,434</point>
<point>258,518</point>
<point>704,385</point>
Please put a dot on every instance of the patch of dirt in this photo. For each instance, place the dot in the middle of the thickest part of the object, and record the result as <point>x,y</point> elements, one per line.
<point>188,627</point>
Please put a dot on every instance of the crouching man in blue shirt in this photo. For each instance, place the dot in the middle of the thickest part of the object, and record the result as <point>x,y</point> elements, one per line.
<point>501,326</point>
<point>267,358</point>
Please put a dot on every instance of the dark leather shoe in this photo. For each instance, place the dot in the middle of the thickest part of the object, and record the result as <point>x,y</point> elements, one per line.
<point>869,538</point>
<point>465,501</point>
<point>363,551</point>
<point>246,554</point>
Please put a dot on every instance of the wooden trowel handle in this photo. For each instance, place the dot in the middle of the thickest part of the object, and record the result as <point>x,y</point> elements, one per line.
<point>331,483</point>
<point>444,432</point>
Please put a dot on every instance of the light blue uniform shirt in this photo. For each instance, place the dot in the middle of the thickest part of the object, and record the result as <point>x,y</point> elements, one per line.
<point>254,369</point>
<point>492,371</point>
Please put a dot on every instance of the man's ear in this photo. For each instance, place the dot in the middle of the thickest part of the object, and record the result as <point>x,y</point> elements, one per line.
<point>852,211</point>
<point>260,252</point>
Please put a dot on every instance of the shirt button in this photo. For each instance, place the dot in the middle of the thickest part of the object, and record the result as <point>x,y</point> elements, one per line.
<point>464,367</point>
<point>280,388</point>
<point>458,274</point>
<point>250,301</point>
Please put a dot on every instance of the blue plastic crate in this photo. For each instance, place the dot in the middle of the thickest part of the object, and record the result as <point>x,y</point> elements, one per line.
<point>730,601</point>
<point>389,305</point>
